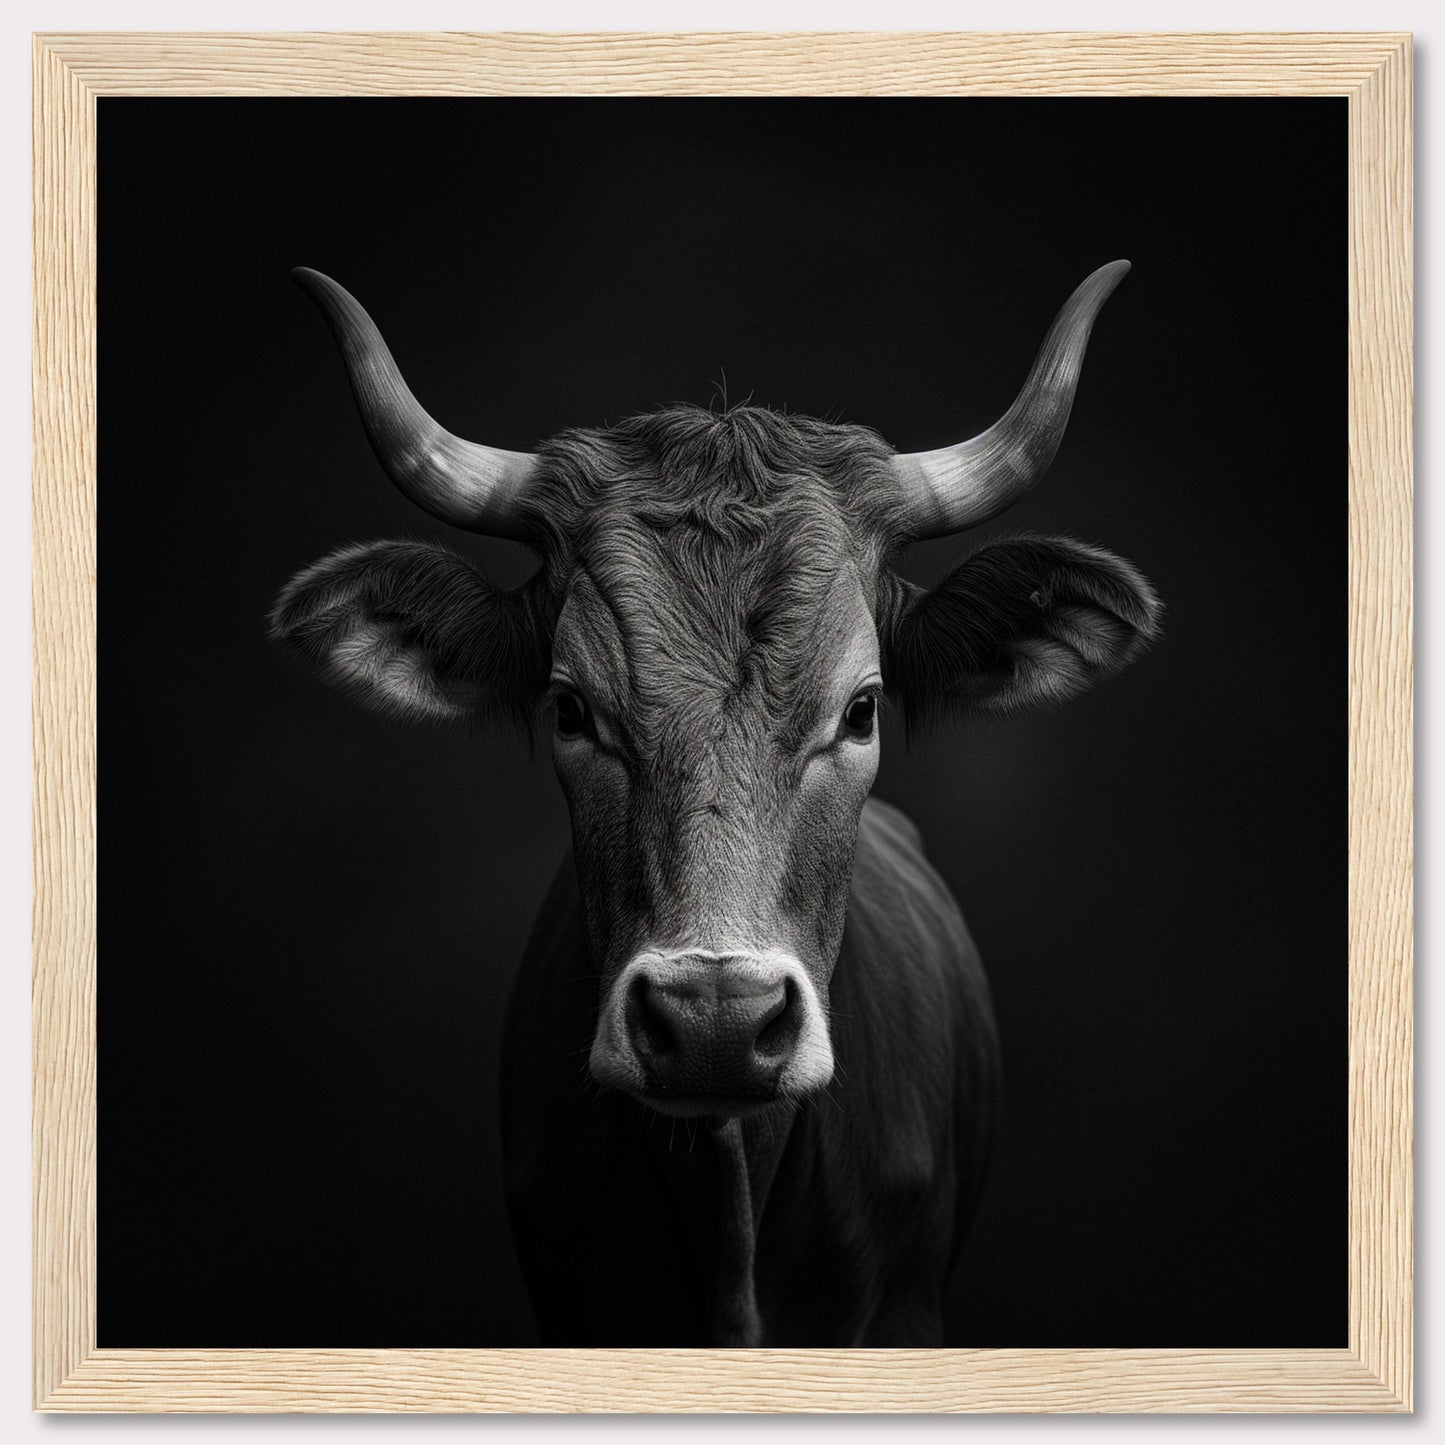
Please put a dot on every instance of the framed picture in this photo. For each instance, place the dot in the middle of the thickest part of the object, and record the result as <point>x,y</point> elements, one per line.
<point>356,1090</point>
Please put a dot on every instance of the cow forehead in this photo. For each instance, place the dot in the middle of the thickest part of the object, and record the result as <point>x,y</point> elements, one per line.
<point>772,629</point>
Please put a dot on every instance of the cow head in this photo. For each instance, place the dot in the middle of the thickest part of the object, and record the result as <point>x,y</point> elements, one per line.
<point>714,622</point>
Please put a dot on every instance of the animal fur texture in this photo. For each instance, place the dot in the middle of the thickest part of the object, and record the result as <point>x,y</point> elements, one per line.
<point>741,947</point>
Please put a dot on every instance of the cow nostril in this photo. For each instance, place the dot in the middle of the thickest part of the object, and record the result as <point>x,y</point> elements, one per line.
<point>779,1029</point>
<point>652,1030</point>
<point>693,1027</point>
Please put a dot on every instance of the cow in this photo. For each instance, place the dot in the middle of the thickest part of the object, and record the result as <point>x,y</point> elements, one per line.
<point>750,1063</point>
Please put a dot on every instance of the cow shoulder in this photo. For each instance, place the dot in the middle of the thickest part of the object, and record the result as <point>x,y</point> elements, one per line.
<point>904,923</point>
<point>913,1007</point>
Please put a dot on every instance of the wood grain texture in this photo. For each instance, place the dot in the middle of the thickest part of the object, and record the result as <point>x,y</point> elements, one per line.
<point>709,1381</point>
<point>63,600</point>
<point>853,63</point>
<point>1374,1372</point>
<point>1381,719</point>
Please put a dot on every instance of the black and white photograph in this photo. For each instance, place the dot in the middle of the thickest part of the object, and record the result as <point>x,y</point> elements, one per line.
<point>722,722</point>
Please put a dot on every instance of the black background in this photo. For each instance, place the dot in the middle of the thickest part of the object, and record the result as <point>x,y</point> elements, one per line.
<point>309,916</point>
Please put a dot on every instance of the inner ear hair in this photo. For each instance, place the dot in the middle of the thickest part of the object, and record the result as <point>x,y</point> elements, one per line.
<point>1023,622</point>
<point>413,629</point>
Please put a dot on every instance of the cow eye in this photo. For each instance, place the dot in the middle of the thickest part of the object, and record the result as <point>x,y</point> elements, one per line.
<point>573,719</point>
<point>860,713</point>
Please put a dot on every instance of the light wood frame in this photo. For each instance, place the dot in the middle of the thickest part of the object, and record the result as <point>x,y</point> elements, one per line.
<point>1374,1372</point>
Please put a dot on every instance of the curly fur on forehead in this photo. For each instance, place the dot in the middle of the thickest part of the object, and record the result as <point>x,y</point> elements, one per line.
<point>728,478</point>
<point>717,539</point>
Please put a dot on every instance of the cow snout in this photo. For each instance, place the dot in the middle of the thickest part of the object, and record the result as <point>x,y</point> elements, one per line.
<point>713,1028</point>
<point>704,1033</point>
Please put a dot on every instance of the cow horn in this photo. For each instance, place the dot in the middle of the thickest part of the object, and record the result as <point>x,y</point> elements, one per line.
<point>963,485</point>
<point>469,485</point>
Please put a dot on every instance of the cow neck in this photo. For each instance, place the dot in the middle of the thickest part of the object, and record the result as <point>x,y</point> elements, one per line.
<point>735,1299</point>
<point>725,1199</point>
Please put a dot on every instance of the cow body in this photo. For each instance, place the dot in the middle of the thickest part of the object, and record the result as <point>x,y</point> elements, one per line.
<point>750,1067</point>
<point>860,1196</point>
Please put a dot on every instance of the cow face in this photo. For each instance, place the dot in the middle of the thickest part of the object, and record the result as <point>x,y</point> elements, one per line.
<point>716,677</point>
<point>714,625</point>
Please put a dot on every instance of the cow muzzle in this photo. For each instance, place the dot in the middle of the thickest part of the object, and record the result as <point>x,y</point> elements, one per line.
<point>702,1033</point>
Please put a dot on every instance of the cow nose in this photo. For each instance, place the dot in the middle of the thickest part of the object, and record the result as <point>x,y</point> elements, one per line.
<point>713,1026</point>
<point>699,1032</point>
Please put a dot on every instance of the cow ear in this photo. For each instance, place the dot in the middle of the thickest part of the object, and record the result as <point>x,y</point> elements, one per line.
<point>1023,622</point>
<point>413,629</point>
